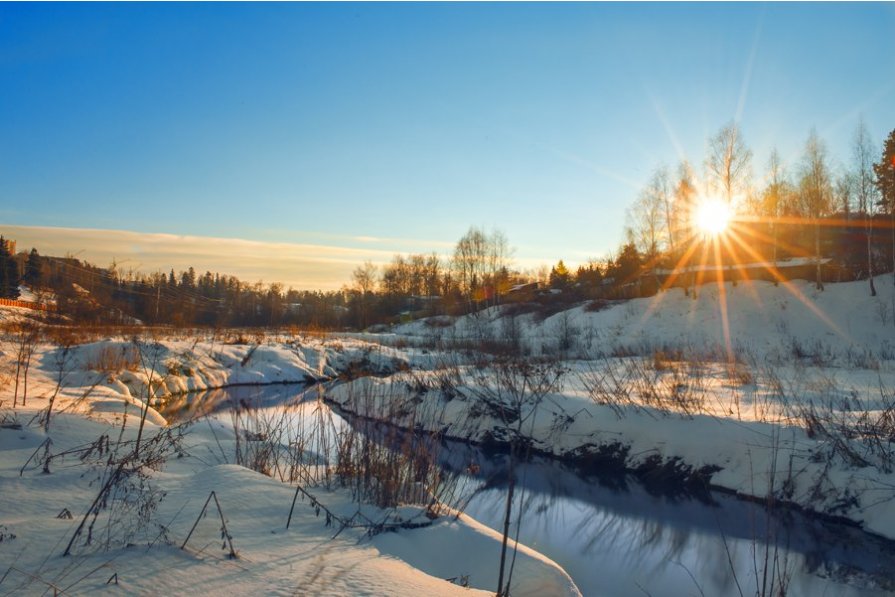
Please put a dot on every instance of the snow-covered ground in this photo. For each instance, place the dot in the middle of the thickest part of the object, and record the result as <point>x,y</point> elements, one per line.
<point>28,294</point>
<point>841,323</point>
<point>778,390</point>
<point>774,390</point>
<point>135,542</point>
<point>752,458</point>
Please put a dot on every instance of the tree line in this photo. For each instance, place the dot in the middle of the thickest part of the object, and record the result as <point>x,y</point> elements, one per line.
<point>477,275</point>
<point>799,209</point>
<point>14,270</point>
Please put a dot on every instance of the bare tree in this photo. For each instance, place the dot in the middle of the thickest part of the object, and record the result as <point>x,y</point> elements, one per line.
<point>498,262</point>
<point>684,200</point>
<point>660,186</point>
<point>728,162</point>
<point>843,192</point>
<point>774,196</point>
<point>479,259</point>
<point>364,279</point>
<point>470,255</point>
<point>815,191</point>
<point>62,357</point>
<point>513,390</point>
<point>432,275</point>
<point>684,191</point>
<point>394,278</point>
<point>865,190</point>
<point>644,222</point>
<point>26,335</point>
<point>150,355</point>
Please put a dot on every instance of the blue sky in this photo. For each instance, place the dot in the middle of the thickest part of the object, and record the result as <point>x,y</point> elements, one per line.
<point>394,127</point>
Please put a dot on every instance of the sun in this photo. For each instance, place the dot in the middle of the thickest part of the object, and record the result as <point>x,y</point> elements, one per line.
<point>712,217</point>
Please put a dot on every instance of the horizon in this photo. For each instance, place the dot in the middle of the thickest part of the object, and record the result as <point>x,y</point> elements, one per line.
<point>317,137</point>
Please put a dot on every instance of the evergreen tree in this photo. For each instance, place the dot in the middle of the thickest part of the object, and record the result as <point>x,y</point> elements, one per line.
<point>33,274</point>
<point>9,272</point>
<point>885,182</point>
<point>188,279</point>
<point>627,266</point>
<point>589,276</point>
<point>559,275</point>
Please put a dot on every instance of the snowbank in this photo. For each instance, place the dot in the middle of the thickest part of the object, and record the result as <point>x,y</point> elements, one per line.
<point>109,375</point>
<point>136,542</point>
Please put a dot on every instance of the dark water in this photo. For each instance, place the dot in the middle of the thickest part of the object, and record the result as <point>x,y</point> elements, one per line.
<point>616,538</point>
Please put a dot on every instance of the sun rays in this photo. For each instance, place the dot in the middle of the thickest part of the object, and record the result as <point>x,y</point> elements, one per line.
<point>721,249</point>
<point>711,216</point>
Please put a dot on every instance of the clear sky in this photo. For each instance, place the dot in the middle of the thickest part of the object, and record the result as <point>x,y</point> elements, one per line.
<point>344,132</point>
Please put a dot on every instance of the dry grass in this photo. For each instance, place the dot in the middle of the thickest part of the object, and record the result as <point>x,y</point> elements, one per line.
<point>113,359</point>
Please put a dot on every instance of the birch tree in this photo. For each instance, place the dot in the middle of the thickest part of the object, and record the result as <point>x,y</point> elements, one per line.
<point>773,198</point>
<point>815,191</point>
<point>865,190</point>
<point>728,163</point>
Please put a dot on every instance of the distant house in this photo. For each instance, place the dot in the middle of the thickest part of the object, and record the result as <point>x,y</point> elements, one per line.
<point>521,293</point>
<point>418,302</point>
<point>518,288</point>
<point>798,268</point>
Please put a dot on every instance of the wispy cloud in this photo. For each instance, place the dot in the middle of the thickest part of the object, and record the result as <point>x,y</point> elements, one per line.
<point>300,265</point>
<point>405,244</point>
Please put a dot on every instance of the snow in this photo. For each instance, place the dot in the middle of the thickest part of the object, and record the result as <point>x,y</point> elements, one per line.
<point>105,386</point>
<point>796,349</point>
<point>781,264</point>
<point>842,322</point>
<point>676,399</point>
<point>25,294</point>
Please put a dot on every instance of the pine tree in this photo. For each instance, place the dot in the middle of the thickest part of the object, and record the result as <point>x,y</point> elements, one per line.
<point>9,272</point>
<point>559,275</point>
<point>590,275</point>
<point>4,257</point>
<point>33,274</point>
<point>627,265</point>
<point>885,182</point>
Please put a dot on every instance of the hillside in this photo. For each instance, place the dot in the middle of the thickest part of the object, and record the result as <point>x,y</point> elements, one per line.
<point>841,323</point>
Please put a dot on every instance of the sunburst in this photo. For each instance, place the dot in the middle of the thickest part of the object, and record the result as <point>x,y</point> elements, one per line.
<point>716,231</point>
<point>711,216</point>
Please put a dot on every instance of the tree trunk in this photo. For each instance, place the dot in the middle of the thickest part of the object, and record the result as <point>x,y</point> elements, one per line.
<point>870,254</point>
<point>819,283</point>
<point>15,396</point>
<point>774,226</point>
<point>501,590</point>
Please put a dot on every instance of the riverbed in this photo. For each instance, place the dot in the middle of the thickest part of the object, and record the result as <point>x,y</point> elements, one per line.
<point>612,534</point>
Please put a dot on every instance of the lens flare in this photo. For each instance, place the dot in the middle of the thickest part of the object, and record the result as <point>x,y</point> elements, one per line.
<point>712,217</point>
